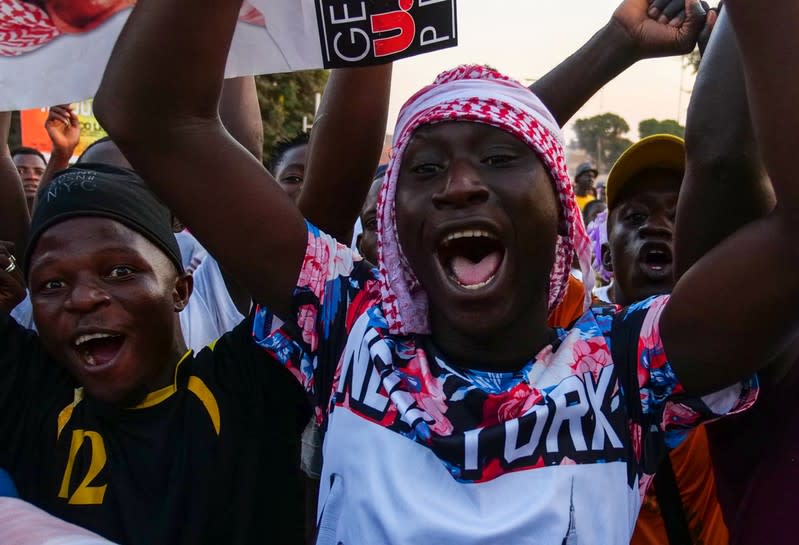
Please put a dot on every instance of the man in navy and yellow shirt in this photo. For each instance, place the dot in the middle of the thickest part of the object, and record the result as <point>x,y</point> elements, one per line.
<point>107,420</point>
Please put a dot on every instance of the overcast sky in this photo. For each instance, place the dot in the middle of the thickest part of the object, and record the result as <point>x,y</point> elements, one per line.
<point>526,38</point>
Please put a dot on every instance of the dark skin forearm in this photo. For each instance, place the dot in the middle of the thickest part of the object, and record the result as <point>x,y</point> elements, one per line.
<point>14,218</point>
<point>767,36</point>
<point>572,83</point>
<point>241,115</point>
<point>630,35</point>
<point>725,185</point>
<point>192,93</point>
<point>729,314</point>
<point>345,147</point>
<point>159,102</point>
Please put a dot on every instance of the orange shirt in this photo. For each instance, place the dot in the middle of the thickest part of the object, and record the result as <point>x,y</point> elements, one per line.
<point>571,307</point>
<point>697,485</point>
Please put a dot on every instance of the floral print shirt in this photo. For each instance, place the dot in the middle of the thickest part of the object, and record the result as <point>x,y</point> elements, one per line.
<point>602,394</point>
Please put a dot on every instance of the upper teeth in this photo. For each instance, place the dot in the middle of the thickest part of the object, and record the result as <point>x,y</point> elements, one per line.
<point>85,338</point>
<point>468,234</point>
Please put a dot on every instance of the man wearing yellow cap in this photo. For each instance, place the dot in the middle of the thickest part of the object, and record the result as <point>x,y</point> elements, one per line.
<point>642,191</point>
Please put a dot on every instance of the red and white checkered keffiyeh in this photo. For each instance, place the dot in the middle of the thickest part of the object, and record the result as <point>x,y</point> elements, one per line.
<point>24,27</point>
<point>481,95</point>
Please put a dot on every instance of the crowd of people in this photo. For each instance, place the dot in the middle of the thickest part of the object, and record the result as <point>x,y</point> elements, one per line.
<point>470,344</point>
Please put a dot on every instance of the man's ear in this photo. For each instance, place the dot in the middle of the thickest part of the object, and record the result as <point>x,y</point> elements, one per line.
<point>607,258</point>
<point>358,243</point>
<point>184,285</point>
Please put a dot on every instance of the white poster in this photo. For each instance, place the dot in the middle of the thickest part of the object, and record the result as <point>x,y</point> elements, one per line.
<point>55,51</point>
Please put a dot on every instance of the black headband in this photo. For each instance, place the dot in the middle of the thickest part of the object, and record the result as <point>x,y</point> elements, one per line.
<point>96,190</point>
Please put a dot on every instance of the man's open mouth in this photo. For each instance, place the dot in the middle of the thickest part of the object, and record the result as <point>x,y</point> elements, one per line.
<point>656,257</point>
<point>471,258</point>
<point>98,349</point>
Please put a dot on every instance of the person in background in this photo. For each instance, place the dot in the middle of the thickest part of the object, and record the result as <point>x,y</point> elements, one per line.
<point>63,129</point>
<point>584,178</point>
<point>592,210</point>
<point>598,233</point>
<point>601,190</point>
<point>31,164</point>
<point>643,187</point>
<point>366,242</point>
<point>288,163</point>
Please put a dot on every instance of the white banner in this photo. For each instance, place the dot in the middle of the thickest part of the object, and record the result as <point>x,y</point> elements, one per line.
<point>55,51</point>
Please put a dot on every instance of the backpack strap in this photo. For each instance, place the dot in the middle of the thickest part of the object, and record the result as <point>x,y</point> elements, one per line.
<point>625,331</point>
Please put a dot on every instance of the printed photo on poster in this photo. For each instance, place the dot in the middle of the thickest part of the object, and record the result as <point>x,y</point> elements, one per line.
<point>55,51</point>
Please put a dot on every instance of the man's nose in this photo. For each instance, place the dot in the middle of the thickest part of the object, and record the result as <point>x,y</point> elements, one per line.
<point>85,298</point>
<point>464,187</point>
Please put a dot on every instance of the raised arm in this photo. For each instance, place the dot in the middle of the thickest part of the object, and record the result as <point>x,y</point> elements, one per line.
<point>14,219</point>
<point>241,115</point>
<point>725,185</point>
<point>346,142</point>
<point>159,102</point>
<point>769,44</point>
<point>631,35</point>
<point>732,312</point>
<point>63,128</point>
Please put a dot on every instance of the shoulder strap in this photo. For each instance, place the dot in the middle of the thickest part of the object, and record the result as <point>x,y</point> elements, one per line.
<point>624,335</point>
<point>670,503</point>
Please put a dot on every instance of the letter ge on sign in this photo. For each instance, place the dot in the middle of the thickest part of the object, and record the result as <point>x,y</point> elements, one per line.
<point>364,32</point>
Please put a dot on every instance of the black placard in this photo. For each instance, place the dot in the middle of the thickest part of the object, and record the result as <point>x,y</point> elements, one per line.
<point>364,32</point>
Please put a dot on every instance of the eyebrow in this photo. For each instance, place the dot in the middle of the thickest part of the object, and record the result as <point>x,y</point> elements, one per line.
<point>49,260</point>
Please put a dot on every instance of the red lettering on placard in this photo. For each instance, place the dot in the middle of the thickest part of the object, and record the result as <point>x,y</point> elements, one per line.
<point>398,21</point>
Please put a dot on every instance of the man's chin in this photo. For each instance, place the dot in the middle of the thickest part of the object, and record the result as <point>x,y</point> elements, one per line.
<point>117,397</point>
<point>652,289</point>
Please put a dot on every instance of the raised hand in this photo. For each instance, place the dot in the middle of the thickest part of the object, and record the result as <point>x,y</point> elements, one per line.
<point>663,27</point>
<point>634,33</point>
<point>12,285</point>
<point>64,130</point>
<point>710,24</point>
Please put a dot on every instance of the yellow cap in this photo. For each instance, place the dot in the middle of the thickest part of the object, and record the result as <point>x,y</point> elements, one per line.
<point>657,151</point>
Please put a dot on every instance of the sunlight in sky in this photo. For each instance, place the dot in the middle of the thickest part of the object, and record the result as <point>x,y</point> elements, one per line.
<point>526,38</point>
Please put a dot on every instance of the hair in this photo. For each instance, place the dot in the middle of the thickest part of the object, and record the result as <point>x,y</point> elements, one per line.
<point>24,150</point>
<point>283,146</point>
<point>90,146</point>
<point>589,208</point>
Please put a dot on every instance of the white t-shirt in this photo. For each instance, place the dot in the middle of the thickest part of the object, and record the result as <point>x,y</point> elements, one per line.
<point>211,312</point>
<point>192,252</point>
<point>23,313</point>
<point>603,293</point>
